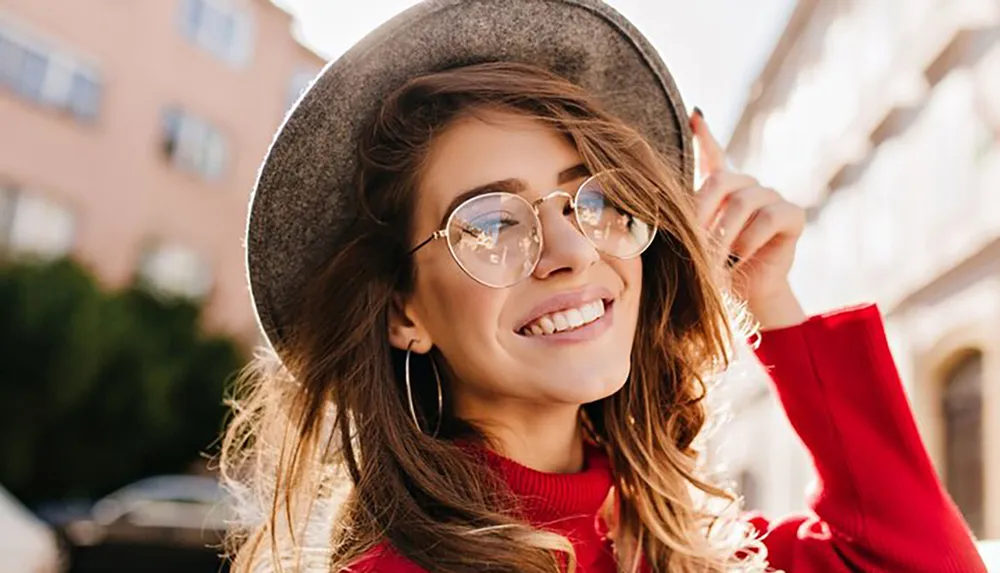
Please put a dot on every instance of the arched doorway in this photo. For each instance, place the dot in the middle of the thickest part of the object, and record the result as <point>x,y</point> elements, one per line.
<point>962,414</point>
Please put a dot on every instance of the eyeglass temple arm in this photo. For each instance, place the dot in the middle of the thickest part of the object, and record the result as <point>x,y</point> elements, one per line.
<point>434,236</point>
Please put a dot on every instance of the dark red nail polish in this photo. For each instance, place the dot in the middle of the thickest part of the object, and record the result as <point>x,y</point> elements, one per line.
<point>698,112</point>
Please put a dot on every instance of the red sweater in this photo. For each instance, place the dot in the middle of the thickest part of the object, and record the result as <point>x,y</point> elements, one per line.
<point>879,506</point>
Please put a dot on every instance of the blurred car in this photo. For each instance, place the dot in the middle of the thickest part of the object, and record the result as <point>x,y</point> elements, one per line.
<point>27,545</point>
<point>162,523</point>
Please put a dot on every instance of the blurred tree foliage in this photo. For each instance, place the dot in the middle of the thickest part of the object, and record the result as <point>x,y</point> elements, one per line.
<point>98,389</point>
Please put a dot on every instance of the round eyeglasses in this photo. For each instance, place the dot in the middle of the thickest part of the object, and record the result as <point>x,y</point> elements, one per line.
<point>496,237</point>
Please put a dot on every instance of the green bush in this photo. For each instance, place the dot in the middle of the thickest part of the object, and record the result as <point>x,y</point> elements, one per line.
<point>99,388</point>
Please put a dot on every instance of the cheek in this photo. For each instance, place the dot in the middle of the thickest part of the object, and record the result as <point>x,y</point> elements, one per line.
<point>458,313</point>
<point>630,272</point>
<point>633,271</point>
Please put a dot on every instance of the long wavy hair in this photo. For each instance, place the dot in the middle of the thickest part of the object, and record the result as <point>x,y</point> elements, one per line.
<point>322,448</point>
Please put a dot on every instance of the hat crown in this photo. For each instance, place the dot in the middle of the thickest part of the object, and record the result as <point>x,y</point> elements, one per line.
<point>303,198</point>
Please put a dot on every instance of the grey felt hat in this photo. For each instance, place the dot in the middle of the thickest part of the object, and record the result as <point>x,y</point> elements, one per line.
<point>302,199</point>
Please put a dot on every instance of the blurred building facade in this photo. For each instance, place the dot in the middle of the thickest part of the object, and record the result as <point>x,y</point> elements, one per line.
<point>131,132</point>
<point>883,119</point>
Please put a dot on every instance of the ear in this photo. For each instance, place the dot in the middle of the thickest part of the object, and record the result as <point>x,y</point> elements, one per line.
<point>405,327</point>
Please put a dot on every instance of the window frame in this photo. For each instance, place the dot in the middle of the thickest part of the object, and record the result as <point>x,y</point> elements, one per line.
<point>59,69</point>
<point>194,144</point>
<point>232,40</point>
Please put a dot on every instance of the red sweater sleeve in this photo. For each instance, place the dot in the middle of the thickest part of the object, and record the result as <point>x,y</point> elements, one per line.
<point>879,506</point>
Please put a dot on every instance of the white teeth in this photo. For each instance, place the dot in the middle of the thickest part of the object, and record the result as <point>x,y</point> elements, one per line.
<point>562,323</point>
<point>566,319</point>
<point>599,309</point>
<point>575,317</point>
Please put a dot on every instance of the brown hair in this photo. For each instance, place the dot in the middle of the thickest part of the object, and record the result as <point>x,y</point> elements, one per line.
<point>327,439</point>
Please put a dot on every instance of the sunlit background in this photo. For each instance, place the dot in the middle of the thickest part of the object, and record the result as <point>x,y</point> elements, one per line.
<point>130,134</point>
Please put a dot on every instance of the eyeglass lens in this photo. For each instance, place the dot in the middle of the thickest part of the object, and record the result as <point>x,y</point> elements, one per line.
<point>496,238</point>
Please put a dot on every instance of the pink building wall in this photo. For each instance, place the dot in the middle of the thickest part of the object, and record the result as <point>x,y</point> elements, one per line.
<point>112,173</point>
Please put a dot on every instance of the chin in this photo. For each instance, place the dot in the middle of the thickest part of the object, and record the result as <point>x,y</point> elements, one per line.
<point>585,385</point>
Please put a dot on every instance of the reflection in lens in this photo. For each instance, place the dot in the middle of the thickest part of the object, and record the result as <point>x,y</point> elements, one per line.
<point>612,230</point>
<point>495,238</point>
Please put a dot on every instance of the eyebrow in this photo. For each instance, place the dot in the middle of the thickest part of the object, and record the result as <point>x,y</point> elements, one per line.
<point>513,185</point>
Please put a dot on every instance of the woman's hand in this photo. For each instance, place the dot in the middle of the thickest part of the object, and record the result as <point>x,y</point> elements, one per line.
<point>754,229</point>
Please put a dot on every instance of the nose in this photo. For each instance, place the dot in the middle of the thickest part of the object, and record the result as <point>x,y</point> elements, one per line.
<point>564,248</point>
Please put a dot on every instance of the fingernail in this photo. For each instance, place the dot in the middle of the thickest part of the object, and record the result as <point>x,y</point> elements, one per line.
<point>732,260</point>
<point>698,112</point>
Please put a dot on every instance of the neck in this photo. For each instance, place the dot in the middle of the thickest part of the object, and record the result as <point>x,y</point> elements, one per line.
<point>546,439</point>
<point>552,446</point>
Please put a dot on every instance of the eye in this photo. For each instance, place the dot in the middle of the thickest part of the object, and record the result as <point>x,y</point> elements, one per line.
<point>473,232</point>
<point>493,222</point>
<point>507,221</point>
<point>488,228</point>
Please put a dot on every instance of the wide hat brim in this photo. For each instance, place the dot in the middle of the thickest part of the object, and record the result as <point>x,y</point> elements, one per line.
<point>302,200</point>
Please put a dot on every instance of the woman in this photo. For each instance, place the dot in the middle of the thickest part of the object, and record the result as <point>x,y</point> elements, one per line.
<point>497,307</point>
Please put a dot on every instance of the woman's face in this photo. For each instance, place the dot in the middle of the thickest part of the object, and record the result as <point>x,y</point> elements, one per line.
<point>489,337</point>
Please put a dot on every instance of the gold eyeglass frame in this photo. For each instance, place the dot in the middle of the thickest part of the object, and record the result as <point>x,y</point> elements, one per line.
<point>533,206</point>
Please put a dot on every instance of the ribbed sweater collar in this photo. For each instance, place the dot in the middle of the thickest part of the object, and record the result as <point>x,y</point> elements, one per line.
<point>566,503</point>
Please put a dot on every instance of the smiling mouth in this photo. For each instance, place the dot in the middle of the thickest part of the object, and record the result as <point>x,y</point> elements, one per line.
<point>566,320</point>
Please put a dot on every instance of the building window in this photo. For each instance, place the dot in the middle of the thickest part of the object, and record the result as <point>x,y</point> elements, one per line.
<point>962,406</point>
<point>174,270</point>
<point>193,144</point>
<point>30,78</point>
<point>39,73</point>
<point>34,225</point>
<point>300,81</point>
<point>84,96</point>
<point>220,27</point>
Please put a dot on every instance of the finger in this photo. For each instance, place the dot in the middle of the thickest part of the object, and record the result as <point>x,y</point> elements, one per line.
<point>715,190</point>
<point>712,156</point>
<point>740,207</point>
<point>782,219</point>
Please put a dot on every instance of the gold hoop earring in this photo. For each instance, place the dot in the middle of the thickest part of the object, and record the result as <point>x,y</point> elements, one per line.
<point>409,390</point>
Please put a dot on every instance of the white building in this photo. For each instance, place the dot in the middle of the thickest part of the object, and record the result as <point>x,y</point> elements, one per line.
<point>882,117</point>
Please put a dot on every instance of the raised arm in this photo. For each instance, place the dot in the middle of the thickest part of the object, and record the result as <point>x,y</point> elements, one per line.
<point>879,506</point>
